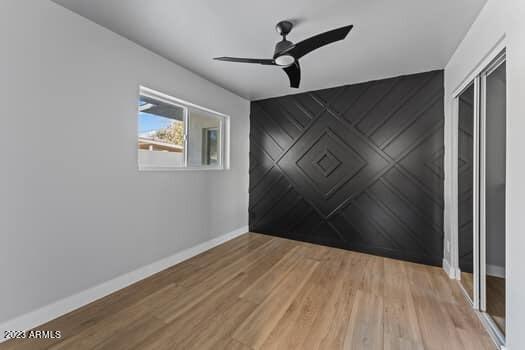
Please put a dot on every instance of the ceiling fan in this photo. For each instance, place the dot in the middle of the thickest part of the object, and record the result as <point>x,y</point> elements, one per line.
<point>287,54</point>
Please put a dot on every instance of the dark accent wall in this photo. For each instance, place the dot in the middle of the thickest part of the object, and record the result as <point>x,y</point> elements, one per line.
<point>358,167</point>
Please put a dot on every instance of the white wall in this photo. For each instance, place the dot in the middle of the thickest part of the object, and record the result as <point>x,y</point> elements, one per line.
<point>499,20</point>
<point>72,211</point>
<point>154,159</point>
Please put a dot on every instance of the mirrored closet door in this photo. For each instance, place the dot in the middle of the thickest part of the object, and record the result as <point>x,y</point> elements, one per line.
<point>481,193</point>
<point>465,160</point>
<point>492,210</point>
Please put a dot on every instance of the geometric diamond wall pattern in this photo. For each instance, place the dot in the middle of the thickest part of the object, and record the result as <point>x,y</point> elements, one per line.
<point>358,167</point>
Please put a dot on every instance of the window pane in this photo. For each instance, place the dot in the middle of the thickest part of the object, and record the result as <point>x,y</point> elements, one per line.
<point>160,133</point>
<point>204,139</point>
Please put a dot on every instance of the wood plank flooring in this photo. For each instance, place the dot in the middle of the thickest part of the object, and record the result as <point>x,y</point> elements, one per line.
<point>495,296</point>
<point>263,292</point>
<point>467,280</point>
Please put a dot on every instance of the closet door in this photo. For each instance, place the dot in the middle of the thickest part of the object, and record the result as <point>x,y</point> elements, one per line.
<point>466,193</point>
<point>492,195</point>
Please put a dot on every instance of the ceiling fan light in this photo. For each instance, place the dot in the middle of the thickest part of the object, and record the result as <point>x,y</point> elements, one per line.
<point>284,60</point>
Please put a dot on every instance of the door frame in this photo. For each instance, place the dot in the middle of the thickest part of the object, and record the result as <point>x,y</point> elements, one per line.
<point>474,301</point>
<point>478,77</point>
<point>452,145</point>
<point>491,67</point>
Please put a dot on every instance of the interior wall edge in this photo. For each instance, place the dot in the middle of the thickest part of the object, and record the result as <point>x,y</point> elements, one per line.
<point>434,68</point>
<point>63,306</point>
<point>449,269</point>
<point>498,19</point>
<point>469,58</point>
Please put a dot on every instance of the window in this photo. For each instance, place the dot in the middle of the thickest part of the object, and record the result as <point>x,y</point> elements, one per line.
<point>173,134</point>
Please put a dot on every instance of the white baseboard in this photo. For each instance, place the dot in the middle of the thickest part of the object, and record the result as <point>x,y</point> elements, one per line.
<point>451,272</point>
<point>496,271</point>
<point>49,312</point>
<point>492,270</point>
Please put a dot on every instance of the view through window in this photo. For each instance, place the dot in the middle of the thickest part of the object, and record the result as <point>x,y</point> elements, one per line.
<point>172,134</point>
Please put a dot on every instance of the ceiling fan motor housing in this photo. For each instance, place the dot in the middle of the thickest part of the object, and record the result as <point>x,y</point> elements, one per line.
<point>284,27</point>
<point>281,46</point>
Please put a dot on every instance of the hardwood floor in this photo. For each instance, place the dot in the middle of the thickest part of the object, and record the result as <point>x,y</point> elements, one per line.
<point>263,292</point>
<point>495,296</point>
<point>467,280</point>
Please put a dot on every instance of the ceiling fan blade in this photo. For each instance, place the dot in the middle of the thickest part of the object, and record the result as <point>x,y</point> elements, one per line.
<point>308,45</point>
<point>294,73</point>
<point>264,61</point>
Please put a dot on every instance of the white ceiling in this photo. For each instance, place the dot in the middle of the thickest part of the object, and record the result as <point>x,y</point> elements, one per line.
<point>389,37</point>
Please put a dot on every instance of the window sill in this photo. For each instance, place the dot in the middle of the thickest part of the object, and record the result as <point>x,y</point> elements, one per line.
<point>174,168</point>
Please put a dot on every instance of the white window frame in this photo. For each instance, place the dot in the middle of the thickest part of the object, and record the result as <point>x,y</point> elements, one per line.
<point>224,131</point>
